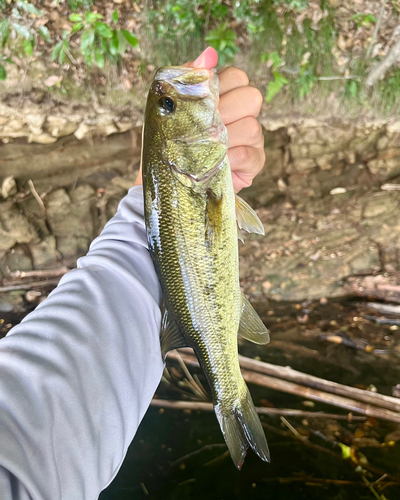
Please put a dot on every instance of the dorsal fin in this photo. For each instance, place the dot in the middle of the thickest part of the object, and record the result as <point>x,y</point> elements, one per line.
<point>251,327</point>
<point>246,218</point>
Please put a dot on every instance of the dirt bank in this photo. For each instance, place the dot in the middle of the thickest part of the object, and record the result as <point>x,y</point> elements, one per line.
<point>329,214</point>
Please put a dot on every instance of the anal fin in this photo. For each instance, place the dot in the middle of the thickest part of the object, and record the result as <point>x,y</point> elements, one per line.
<point>251,327</point>
<point>171,337</point>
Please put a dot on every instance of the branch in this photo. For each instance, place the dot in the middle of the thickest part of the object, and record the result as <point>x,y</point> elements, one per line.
<point>28,286</point>
<point>331,78</point>
<point>288,373</point>
<point>287,412</point>
<point>36,195</point>
<point>364,402</point>
<point>379,70</point>
<point>378,24</point>
<point>45,273</point>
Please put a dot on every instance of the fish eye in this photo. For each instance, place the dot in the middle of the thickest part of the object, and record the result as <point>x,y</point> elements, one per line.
<point>167,105</point>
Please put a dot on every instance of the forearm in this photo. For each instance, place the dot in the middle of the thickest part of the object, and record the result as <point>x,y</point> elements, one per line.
<point>77,375</point>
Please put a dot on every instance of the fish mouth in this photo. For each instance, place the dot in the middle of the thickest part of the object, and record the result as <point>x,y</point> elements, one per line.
<point>190,82</point>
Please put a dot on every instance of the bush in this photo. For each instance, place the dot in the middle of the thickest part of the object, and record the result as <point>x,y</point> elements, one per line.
<point>99,42</point>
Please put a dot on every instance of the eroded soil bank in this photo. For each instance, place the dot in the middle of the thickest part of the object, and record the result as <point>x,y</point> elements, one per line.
<point>328,197</point>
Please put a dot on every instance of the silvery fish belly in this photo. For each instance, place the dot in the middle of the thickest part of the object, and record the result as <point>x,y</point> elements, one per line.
<point>192,219</point>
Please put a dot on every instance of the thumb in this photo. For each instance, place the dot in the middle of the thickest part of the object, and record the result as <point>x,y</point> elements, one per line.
<point>207,59</point>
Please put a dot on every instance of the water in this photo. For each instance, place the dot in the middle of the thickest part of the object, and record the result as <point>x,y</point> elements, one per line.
<point>164,438</point>
<point>178,454</point>
<point>181,454</point>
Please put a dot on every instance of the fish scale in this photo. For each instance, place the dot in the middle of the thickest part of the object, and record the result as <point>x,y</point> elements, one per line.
<point>192,233</point>
<point>213,311</point>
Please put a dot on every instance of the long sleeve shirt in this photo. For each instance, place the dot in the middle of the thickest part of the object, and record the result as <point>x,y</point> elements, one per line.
<point>78,373</point>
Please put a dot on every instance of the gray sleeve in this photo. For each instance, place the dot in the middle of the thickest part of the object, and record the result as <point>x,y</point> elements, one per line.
<point>77,374</point>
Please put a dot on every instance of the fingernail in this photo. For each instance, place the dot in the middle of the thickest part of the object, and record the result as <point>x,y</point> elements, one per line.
<point>201,59</point>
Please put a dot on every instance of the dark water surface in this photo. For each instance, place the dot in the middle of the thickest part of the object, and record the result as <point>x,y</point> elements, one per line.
<point>181,454</point>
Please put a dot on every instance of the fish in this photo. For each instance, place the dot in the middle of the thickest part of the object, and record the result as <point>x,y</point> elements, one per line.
<point>193,221</point>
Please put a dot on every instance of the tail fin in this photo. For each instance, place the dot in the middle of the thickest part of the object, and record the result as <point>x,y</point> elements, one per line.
<point>242,428</point>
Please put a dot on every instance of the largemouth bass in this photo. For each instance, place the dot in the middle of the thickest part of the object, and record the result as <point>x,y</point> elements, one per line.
<point>192,219</point>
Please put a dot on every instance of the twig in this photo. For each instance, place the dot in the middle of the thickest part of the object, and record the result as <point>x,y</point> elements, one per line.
<point>361,344</point>
<point>72,59</point>
<point>380,69</point>
<point>199,391</point>
<point>196,378</point>
<point>45,273</point>
<point>377,287</point>
<point>28,286</point>
<point>371,488</point>
<point>292,429</point>
<point>321,396</point>
<point>376,31</point>
<point>317,480</point>
<point>377,403</point>
<point>145,491</point>
<point>287,373</point>
<point>348,77</point>
<point>383,321</point>
<point>36,195</point>
<point>390,187</point>
<point>201,406</point>
<point>217,459</point>
<point>384,308</point>
<point>367,466</point>
<point>311,353</point>
<point>206,447</point>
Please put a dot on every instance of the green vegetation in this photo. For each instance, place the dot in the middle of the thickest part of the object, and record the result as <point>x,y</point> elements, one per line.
<point>294,58</point>
<point>80,4</point>
<point>19,24</point>
<point>223,40</point>
<point>366,19</point>
<point>295,50</point>
<point>99,42</point>
<point>187,25</point>
<point>389,90</point>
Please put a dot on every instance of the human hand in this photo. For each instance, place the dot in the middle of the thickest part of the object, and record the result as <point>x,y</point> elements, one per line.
<point>239,106</point>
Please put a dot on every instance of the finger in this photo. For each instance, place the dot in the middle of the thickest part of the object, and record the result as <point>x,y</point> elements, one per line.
<point>246,162</point>
<point>207,59</point>
<point>231,78</point>
<point>245,132</point>
<point>139,179</point>
<point>240,102</point>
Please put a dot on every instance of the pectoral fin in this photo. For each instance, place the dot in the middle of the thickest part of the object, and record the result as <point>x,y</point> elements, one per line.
<point>240,236</point>
<point>213,219</point>
<point>246,218</point>
<point>171,336</point>
<point>251,327</point>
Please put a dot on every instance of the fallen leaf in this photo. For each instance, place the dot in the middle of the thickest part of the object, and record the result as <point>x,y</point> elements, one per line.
<point>53,80</point>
